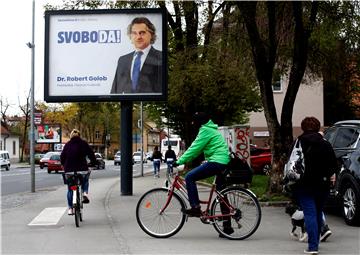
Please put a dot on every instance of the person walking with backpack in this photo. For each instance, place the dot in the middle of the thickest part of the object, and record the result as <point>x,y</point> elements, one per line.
<point>312,190</point>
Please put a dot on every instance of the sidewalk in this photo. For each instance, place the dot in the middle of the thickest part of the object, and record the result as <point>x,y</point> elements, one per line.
<point>110,227</point>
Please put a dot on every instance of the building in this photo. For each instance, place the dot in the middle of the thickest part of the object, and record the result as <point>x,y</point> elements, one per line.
<point>10,143</point>
<point>309,102</point>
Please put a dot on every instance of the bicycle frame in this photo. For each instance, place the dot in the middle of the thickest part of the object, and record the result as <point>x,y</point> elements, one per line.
<point>178,185</point>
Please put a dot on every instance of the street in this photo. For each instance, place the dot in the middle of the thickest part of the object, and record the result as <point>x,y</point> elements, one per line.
<point>18,178</point>
<point>110,227</point>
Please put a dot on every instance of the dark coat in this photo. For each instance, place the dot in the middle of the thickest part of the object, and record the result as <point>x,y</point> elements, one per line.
<point>150,78</point>
<point>170,154</point>
<point>320,161</point>
<point>156,155</point>
<point>73,156</point>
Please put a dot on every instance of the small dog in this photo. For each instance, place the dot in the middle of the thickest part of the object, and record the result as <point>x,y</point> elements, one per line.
<point>297,220</point>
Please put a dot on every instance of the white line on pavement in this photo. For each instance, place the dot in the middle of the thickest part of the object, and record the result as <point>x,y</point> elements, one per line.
<point>48,216</point>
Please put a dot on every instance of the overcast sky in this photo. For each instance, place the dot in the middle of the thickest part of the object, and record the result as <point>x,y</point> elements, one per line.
<point>16,24</point>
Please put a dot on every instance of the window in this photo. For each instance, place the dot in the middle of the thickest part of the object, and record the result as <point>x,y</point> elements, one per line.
<point>330,135</point>
<point>276,86</point>
<point>14,147</point>
<point>346,138</point>
<point>1,148</point>
<point>97,134</point>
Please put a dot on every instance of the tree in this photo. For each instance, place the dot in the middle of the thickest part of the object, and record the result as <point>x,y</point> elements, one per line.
<point>4,107</point>
<point>265,46</point>
<point>25,109</point>
<point>198,78</point>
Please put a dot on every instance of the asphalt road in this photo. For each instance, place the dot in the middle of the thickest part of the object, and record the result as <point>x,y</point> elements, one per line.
<point>18,179</point>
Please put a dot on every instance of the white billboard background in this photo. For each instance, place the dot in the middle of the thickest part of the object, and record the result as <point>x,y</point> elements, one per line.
<point>83,68</point>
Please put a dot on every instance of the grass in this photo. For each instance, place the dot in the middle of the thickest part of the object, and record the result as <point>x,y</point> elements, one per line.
<point>259,186</point>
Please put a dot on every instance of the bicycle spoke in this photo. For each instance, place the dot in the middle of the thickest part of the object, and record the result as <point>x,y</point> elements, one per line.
<point>245,217</point>
<point>155,223</point>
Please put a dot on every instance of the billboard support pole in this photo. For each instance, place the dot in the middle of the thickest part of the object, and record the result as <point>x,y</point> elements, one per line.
<point>126,148</point>
<point>142,138</point>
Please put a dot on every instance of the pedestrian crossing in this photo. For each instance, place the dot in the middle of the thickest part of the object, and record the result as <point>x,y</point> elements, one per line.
<point>48,217</point>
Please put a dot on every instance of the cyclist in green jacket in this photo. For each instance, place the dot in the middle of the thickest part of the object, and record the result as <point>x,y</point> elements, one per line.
<point>210,142</point>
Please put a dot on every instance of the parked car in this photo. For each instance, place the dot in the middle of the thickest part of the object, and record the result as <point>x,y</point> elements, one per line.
<point>54,163</point>
<point>149,155</point>
<point>100,160</point>
<point>344,136</point>
<point>5,160</point>
<point>117,158</point>
<point>260,159</point>
<point>137,157</point>
<point>44,161</point>
<point>37,157</point>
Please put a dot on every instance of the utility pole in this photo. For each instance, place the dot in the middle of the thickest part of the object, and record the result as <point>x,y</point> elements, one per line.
<point>32,133</point>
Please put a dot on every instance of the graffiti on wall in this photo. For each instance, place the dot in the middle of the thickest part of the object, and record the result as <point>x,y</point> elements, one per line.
<point>242,146</point>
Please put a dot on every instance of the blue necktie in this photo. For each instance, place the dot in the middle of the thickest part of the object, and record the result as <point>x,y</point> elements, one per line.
<point>136,71</point>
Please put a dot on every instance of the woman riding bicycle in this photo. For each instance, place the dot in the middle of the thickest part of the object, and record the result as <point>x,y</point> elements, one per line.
<point>210,142</point>
<point>170,158</point>
<point>73,158</point>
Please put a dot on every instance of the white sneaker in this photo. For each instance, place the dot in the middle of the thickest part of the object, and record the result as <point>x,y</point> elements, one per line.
<point>70,211</point>
<point>310,252</point>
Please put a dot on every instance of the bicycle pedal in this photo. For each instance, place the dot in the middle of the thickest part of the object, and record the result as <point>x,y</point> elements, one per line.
<point>206,220</point>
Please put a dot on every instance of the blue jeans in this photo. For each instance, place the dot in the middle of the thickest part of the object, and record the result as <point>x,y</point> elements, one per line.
<point>203,171</point>
<point>312,204</point>
<point>170,167</point>
<point>156,167</point>
<point>84,188</point>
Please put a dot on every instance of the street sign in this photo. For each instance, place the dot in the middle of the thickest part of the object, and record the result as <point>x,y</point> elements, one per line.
<point>37,118</point>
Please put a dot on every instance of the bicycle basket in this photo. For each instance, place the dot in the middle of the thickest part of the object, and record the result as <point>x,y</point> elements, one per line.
<point>238,171</point>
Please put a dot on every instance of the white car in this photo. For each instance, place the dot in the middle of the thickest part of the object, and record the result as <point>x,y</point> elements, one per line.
<point>5,160</point>
<point>44,160</point>
<point>137,157</point>
<point>117,158</point>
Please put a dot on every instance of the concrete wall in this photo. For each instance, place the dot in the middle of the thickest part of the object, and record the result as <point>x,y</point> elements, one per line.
<point>11,144</point>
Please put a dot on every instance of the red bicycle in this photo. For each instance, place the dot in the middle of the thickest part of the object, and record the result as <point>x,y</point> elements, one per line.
<point>159,211</point>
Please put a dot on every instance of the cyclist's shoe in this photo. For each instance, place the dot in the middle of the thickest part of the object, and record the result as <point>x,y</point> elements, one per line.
<point>70,211</point>
<point>228,231</point>
<point>192,212</point>
<point>85,199</point>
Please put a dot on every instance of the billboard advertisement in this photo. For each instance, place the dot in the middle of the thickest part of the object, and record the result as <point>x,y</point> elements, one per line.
<point>105,55</point>
<point>48,133</point>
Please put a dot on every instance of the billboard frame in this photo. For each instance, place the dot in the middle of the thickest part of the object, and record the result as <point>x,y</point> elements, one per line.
<point>107,97</point>
<point>46,140</point>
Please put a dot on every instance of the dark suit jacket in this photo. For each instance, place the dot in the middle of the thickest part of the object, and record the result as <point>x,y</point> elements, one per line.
<point>150,79</point>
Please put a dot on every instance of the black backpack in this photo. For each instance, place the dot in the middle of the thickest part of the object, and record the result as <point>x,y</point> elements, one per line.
<point>238,171</point>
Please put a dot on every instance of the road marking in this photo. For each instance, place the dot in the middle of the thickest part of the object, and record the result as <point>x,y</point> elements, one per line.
<point>48,217</point>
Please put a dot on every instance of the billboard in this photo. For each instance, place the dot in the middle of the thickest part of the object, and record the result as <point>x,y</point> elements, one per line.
<point>48,133</point>
<point>105,55</point>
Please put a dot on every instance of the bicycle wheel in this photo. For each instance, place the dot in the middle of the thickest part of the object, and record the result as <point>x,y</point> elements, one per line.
<point>246,217</point>
<point>77,209</point>
<point>154,223</point>
<point>81,206</point>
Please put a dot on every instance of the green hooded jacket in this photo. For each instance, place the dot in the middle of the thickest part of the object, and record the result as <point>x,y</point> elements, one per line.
<point>210,141</point>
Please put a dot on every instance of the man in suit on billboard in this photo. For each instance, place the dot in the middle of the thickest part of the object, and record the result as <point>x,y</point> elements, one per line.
<point>141,70</point>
